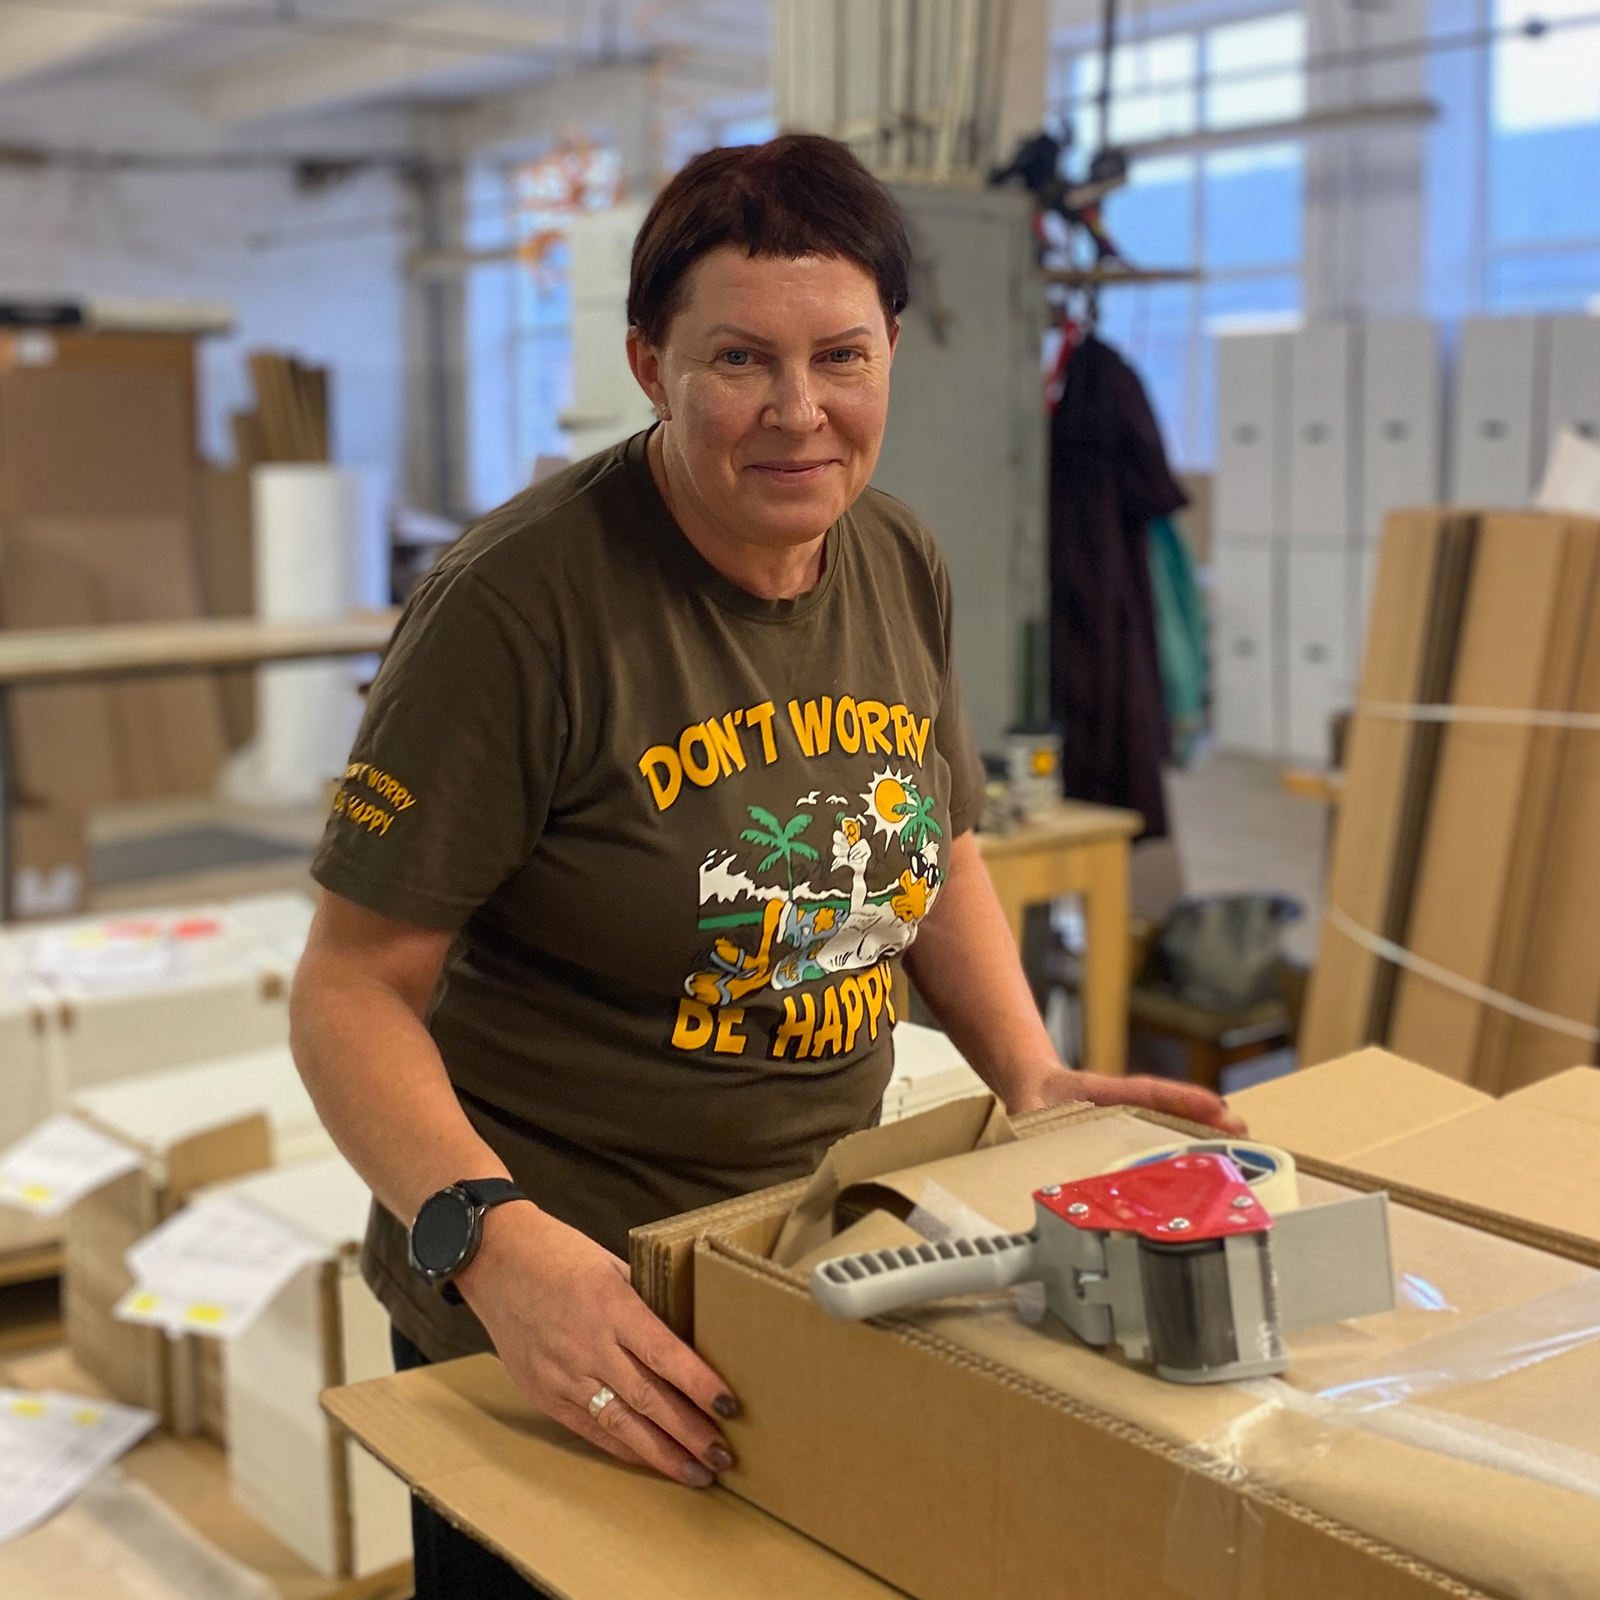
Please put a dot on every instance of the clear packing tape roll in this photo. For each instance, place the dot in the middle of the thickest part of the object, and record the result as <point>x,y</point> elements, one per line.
<point>1216,1538</point>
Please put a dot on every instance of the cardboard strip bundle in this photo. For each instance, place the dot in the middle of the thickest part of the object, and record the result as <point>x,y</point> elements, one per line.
<point>1463,907</point>
<point>290,422</point>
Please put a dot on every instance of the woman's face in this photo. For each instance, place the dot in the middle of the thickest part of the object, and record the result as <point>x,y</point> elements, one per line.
<point>774,384</point>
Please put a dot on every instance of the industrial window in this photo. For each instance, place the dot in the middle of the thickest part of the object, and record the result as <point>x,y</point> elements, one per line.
<point>1232,215</point>
<point>1542,222</point>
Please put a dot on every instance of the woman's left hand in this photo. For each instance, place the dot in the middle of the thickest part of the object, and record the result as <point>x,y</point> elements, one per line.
<point>1055,1085</point>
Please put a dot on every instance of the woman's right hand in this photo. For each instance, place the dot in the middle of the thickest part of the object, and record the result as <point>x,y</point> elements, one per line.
<point>566,1321</point>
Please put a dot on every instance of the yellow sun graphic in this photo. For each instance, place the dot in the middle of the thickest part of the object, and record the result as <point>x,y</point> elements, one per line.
<point>888,790</point>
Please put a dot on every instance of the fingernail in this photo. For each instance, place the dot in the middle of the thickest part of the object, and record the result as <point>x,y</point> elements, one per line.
<point>720,1458</point>
<point>725,1405</point>
<point>698,1477</point>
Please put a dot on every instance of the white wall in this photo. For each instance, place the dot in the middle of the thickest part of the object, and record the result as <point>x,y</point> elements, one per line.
<point>316,274</point>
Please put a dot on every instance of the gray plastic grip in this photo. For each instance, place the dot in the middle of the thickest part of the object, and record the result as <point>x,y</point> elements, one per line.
<point>876,1281</point>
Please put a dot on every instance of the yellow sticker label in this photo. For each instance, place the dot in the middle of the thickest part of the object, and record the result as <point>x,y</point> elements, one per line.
<point>28,1407</point>
<point>206,1315</point>
<point>87,1416</point>
<point>145,1302</point>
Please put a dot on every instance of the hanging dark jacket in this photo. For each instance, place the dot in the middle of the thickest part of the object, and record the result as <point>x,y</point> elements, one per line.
<point>1108,479</point>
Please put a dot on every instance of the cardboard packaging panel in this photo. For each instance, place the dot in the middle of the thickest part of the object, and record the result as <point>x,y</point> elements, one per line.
<point>195,1126</point>
<point>1058,1470</point>
<point>289,1466</point>
<point>1420,580</point>
<point>1532,594</point>
<point>566,1517</point>
<point>141,1365</point>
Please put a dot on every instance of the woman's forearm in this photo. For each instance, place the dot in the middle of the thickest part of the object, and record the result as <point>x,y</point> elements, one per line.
<point>966,967</point>
<point>372,1068</point>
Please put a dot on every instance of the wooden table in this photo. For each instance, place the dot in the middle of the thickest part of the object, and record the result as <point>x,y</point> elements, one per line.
<point>40,657</point>
<point>1080,849</point>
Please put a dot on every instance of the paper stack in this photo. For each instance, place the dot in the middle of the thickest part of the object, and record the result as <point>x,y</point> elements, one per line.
<point>928,1072</point>
<point>287,1466</point>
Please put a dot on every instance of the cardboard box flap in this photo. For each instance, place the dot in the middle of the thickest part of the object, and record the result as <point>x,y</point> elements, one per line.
<point>998,1183</point>
<point>1336,1110</point>
<point>1573,1093</point>
<point>577,1524</point>
<point>1527,1156</point>
<point>961,1126</point>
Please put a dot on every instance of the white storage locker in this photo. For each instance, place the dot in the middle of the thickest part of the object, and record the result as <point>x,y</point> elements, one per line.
<point>1363,574</point>
<point>1244,644</point>
<point>288,1465</point>
<point>1400,416</point>
<point>1252,391</point>
<point>1321,402</point>
<point>1574,377</point>
<point>1317,656</point>
<point>1497,446</point>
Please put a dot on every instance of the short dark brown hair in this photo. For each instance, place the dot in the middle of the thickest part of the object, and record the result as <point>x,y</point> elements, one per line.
<point>799,195</point>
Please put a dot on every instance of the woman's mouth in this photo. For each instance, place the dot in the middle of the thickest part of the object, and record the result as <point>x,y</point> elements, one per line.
<point>794,473</point>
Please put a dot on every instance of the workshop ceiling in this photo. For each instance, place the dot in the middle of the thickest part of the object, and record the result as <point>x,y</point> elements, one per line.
<point>240,61</point>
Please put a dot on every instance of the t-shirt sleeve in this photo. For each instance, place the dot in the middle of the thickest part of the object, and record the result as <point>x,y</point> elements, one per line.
<point>953,733</point>
<point>449,784</point>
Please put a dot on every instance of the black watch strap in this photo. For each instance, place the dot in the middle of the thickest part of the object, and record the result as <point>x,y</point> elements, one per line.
<point>490,1191</point>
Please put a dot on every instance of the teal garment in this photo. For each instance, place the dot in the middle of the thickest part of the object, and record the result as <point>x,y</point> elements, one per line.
<point>1180,636</point>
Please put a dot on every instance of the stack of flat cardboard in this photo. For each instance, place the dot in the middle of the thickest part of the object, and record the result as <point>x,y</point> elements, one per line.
<point>97,525</point>
<point>288,1464</point>
<point>928,1071</point>
<point>1470,843</point>
<point>194,1126</point>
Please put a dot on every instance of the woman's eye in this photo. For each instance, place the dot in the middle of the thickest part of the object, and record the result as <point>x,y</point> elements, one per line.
<point>737,358</point>
<point>842,356</point>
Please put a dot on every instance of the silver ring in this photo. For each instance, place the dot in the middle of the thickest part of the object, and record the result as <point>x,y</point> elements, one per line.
<point>602,1398</point>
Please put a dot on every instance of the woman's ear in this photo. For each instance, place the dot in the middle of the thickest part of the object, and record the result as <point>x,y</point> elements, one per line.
<point>645,360</point>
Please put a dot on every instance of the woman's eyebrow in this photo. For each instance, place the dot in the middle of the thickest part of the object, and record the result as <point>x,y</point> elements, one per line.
<point>756,338</point>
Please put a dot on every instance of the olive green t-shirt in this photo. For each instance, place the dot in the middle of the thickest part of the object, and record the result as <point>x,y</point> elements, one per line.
<point>682,834</point>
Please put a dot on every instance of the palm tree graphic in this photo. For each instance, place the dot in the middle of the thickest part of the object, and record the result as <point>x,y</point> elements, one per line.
<point>917,809</point>
<point>782,839</point>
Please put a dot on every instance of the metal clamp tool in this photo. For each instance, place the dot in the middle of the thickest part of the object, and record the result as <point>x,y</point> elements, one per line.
<point>1176,1261</point>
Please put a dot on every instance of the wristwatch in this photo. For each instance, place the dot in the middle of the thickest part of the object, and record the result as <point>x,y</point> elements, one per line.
<point>449,1228</point>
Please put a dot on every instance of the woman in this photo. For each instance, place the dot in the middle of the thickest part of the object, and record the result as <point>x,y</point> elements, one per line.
<point>663,782</point>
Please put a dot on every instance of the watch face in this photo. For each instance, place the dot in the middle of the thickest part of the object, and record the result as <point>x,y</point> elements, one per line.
<point>442,1231</point>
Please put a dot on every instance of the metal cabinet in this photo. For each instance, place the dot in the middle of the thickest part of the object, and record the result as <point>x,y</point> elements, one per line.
<point>966,442</point>
<point>1252,392</point>
<point>1321,405</point>
<point>1574,377</point>
<point>1497,446</point>
<point>1399,443</point>
<point>1245,648</point>
<point>1316,655</point>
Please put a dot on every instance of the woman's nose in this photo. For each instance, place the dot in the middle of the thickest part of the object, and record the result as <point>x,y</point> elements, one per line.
<point>792,406</point>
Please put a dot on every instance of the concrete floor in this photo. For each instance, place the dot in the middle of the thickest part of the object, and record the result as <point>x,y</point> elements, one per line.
<point>1237,830</point>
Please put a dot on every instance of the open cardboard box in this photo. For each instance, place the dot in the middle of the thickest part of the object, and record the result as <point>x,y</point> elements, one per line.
<point>959,1454</point>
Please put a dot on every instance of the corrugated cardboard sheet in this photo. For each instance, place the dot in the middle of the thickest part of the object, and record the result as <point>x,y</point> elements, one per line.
<point>97,525</point>
<point>573,1521</point>
<point>1470,843</point>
